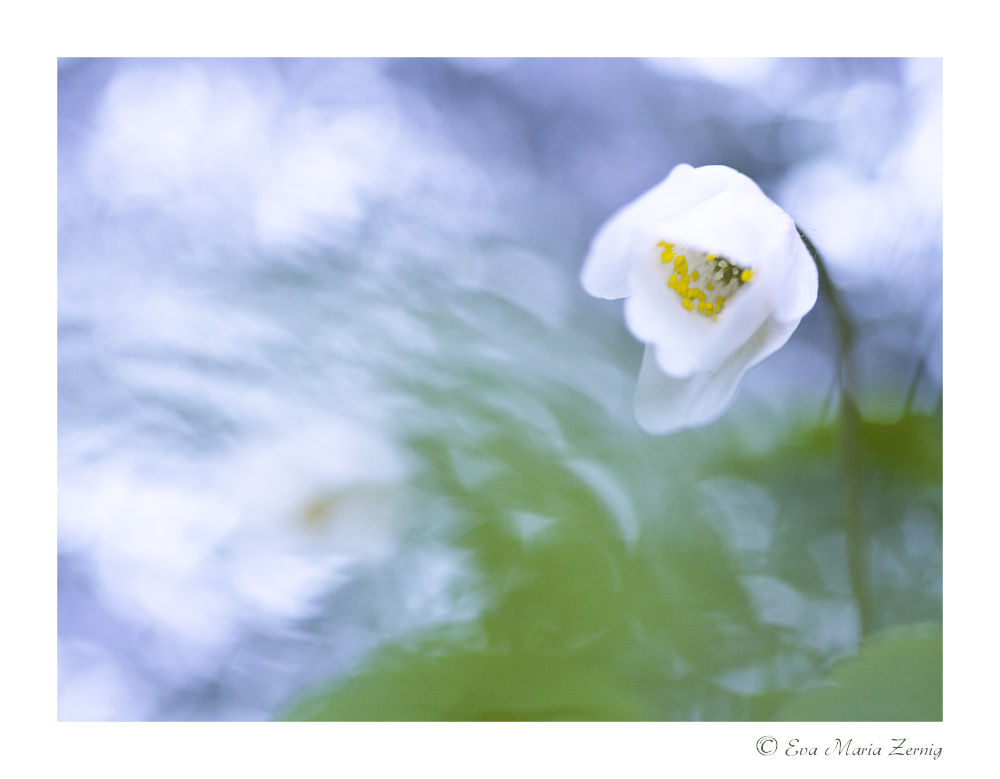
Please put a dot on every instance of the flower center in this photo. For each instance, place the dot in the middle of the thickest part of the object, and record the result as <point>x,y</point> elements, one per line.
<point>703,281</point>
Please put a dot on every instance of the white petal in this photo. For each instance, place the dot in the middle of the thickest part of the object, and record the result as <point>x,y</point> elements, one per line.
<point>739,222</point>
<point>654,314</point>
<point>605,271</point>
<point>801,283</point>
<point>664,404</point>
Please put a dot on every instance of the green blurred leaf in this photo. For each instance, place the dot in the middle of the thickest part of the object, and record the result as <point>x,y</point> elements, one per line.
<point>911,448</point>
<point>896,677</point>
<point>475,686</point>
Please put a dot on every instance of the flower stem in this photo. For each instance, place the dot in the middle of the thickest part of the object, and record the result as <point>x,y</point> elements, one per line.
<point>850,445</point>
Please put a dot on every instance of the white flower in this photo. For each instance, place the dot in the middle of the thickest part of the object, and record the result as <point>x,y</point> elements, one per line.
<point>717,278</point>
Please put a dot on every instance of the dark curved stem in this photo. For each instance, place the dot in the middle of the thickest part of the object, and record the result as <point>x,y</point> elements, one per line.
<point>850,445</point>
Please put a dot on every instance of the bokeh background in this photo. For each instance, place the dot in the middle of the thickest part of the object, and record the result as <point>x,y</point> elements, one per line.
<point>341,436</point>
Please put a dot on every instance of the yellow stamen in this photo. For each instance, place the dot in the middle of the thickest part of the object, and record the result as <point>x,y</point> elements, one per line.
<point>708,275</point>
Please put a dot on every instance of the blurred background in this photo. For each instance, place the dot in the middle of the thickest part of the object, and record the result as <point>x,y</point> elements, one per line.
<point>342,437</point>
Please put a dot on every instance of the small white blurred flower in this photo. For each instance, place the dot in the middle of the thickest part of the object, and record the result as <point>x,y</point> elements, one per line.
<point>717,279</point>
